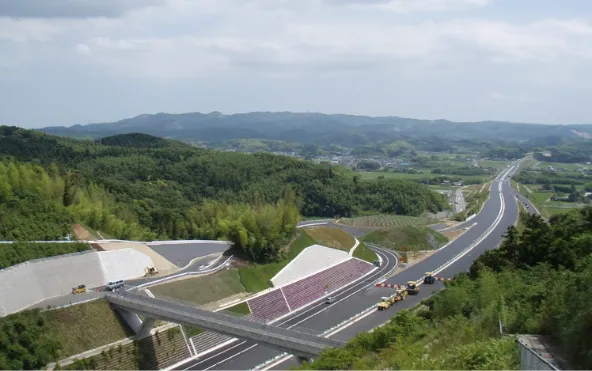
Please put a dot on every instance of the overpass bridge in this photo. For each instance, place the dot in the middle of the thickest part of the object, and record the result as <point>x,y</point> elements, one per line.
<point>295,342</point>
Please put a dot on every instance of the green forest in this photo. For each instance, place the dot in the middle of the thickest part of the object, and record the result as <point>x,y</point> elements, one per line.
<point>538,282</point>
<point>136,186</point>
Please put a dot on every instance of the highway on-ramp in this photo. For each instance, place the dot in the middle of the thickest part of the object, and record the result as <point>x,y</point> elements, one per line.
<point>498,212</point>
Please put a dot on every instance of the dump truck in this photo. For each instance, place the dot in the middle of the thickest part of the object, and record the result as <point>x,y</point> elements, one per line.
<point>81,289</point>
<point>412,288</point>
<point>429,278</point>
<point>150,271</point>
<point>388,301</point>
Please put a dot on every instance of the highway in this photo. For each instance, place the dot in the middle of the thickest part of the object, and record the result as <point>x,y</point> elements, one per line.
<point>498,212</point>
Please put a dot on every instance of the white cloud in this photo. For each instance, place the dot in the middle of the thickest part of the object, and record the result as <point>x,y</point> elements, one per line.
<point>427,43</point>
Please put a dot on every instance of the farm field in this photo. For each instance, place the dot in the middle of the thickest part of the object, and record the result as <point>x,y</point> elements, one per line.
<point>384,221</point>
<point>493,163</point>
<point>542,200</point>
<point>371,175</point>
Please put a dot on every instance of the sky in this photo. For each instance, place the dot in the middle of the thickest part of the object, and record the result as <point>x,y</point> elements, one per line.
<point>67,62</point>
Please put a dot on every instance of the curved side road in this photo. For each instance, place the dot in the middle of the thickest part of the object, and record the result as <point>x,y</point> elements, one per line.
<point>495,216</point>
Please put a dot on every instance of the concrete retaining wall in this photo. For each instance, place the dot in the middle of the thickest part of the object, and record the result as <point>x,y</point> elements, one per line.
<point>28,283</point>
<point>311,260</point>
<point>123,264</point>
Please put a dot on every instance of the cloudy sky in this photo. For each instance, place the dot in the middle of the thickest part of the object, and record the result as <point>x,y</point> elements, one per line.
<point>65,62</point>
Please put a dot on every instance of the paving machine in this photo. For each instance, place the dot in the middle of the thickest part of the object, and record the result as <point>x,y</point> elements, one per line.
<point>412,288</point>
<point>81,289</point>
<point>388,301</point>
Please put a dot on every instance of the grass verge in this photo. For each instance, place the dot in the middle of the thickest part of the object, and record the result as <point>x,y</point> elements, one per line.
<point>331,237</point>
<point>241,309</point>
<point>85,326</point>
<point>384,221</point>
<point>414,238</point>
<point>192,331</point>
<point>202,290</point>
<point>364,253</point>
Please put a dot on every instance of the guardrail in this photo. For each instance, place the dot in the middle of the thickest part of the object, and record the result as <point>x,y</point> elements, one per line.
<point>192,273</point>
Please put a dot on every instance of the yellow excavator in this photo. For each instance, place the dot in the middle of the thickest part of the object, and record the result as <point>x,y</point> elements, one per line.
<point>388,301</point>
<point>81,289</point>
<point>150,271</point>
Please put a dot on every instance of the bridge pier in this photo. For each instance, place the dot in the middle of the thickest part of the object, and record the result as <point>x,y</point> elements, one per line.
<point>147,325</point>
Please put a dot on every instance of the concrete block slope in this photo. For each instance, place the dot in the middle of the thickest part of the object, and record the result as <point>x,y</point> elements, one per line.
<point>24,285</point>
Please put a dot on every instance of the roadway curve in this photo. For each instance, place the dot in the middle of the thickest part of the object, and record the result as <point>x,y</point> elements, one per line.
<point>498,213</point>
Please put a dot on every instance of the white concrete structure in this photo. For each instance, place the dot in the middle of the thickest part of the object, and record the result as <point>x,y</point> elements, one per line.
<point>28,283</point>
<point>123,264</point>
<point>311,260</point>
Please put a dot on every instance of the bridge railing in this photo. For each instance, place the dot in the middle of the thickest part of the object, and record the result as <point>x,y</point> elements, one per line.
<point>220,318</point>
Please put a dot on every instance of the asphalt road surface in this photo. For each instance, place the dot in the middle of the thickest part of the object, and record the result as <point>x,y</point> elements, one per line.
<point>498,212</point>
<point>182,254</point>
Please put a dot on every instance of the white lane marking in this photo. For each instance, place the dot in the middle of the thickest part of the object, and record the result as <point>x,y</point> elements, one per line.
<point>485,235</point>
<point>312,315</point>
<point>214,356</point>
<point>231,357</point>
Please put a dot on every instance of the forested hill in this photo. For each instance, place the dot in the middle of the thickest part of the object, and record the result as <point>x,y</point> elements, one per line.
<point>314,128</point>
<point>152,185</point>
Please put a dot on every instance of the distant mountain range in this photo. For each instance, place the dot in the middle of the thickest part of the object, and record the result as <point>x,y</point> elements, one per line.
<point>315,128</point>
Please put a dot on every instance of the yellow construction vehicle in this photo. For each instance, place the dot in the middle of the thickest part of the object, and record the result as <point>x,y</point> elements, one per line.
<point>387,302</point>
<point>150,271</point>
<point>81,289</point>
<point>412,288</point>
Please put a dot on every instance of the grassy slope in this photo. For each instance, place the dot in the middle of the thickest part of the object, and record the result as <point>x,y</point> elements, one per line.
<point>364,253</point>
<point>85,326</point>
<point>384,221</point>
<point>202,290</point>
<point>331,237</point>
<point>241,309</point>
<point>256,277</point>
<point>415,238</point>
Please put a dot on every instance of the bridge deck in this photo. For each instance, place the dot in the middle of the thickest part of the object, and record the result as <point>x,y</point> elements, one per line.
<point>297,342</point>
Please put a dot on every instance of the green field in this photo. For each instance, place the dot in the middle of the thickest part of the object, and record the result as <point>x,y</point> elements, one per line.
<point>202,290</point>
<point>492,163</point>
<point>372,175</point>
<point>384,221</point>
<point>542,200</point>
<point>413,238</point>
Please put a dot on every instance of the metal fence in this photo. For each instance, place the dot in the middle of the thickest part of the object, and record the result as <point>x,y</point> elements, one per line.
<point>531,360</point>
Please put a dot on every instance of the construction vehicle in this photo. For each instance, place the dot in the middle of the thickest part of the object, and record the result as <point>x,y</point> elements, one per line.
<point>429,278</point>
<point>412,288</point>
<point>81,289</point>
<point>150,271</point>
<point>388,301</point>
